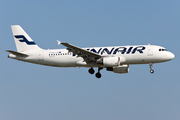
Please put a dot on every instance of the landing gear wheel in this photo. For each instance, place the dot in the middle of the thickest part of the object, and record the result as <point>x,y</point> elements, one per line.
<point>91,71</point>
<point>151,71</point>
<point>151,65</point>
<point>98,75</point>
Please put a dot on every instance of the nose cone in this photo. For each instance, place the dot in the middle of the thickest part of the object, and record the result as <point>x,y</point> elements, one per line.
<point>170,56</point>
<point>166,56</point>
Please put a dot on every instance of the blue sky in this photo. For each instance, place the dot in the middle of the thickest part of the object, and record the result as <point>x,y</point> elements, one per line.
<point>34,92</point>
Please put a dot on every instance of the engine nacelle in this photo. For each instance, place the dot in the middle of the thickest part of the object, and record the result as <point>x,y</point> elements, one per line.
<point>109,61</point>
<point>119,69</point>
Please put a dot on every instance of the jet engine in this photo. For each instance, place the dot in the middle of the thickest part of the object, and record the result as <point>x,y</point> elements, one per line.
<point>119,69</point>
<point>109,61</point>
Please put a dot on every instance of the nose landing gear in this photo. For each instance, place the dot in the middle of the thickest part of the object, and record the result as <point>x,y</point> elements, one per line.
<point>151,70</point>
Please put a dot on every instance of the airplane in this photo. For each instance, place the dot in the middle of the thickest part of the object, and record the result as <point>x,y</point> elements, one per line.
<point>116,58</point>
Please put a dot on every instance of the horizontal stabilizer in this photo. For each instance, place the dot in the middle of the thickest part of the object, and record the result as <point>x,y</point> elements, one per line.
<point>17,53</point>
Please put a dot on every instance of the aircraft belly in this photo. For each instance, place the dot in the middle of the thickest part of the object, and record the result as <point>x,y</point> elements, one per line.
<point>61,61</point>
<point>137,59</point>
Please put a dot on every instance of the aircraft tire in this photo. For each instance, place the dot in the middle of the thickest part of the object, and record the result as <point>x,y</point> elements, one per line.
<point>151,71</point>
<point>91,71</point>
<point>98,75</point>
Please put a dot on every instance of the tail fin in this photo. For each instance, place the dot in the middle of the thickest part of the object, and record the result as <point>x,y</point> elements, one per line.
<point>22,39</point>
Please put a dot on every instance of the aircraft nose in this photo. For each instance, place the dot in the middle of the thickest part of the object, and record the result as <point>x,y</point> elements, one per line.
<point>171,56</point>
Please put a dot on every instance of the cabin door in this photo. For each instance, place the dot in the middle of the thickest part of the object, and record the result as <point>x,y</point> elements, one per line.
<point>150,50</point>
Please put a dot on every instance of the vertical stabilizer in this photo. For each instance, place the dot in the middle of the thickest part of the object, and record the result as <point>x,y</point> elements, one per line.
<point>22,39</point>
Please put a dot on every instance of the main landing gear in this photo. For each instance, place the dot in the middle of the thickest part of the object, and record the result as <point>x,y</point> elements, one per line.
<point>151,70</point>
<point>91,71</point>
<point>98,74</point>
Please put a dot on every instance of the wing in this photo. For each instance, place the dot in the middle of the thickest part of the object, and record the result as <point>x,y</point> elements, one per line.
<point>86,55</point>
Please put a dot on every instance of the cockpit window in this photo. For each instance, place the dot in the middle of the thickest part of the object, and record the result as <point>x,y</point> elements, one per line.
<point>162,50</point>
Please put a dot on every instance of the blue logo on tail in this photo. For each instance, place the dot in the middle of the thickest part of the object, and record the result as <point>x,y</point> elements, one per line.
<point>23,39</point>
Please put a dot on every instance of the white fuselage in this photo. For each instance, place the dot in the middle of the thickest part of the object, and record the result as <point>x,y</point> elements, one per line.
<point>141,54</point>
<point>115,58</point>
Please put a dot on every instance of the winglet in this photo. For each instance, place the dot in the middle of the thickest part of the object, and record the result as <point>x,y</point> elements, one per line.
<point>59,42</point>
